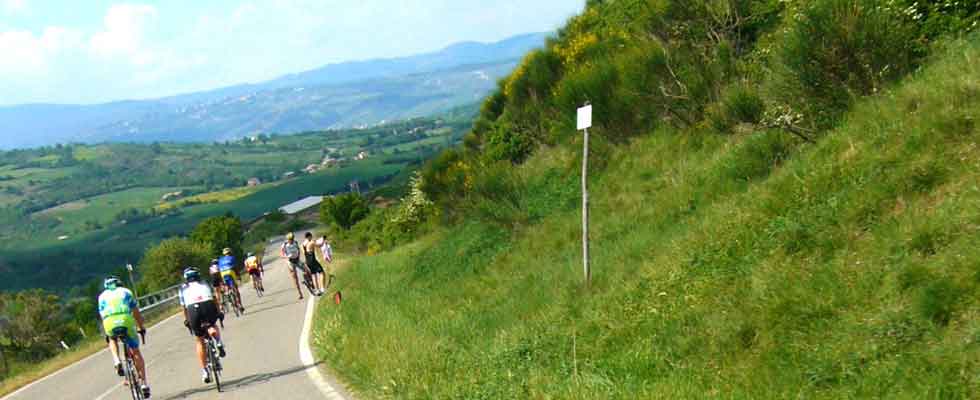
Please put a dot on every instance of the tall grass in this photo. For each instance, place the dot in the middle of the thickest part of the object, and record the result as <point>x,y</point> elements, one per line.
<point>744,266</point>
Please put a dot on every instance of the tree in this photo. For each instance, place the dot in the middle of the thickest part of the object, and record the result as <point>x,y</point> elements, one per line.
<point>33,327</point>
<point>344,210</point>
<point>219,232</point>
<point>163,264</point>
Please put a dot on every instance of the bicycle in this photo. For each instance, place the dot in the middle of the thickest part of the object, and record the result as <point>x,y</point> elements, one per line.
<point>213,361</point>
<point>257,285</point>
<point>308,281</point>
<point>230,299</point>
<point>133,380</point>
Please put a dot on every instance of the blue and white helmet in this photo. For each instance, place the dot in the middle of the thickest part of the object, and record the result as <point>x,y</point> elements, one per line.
<point>111,282</point>
<point>191,275</point>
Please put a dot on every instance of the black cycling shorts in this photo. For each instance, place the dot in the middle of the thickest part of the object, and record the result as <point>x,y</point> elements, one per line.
<point>314,265</point>
<point>216,281</point>
<point>294,264</point>
<point>201,316</point>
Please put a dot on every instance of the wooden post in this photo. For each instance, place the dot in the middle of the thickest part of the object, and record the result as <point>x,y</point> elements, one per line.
<point>585,209</point>
<point>584,123</point>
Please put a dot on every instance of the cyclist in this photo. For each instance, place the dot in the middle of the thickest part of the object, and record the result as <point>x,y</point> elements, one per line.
<point>290,250</point>
<point>254,267</point>
<point>118,309</point>
<point>327,252</point>
<point>216,282</point>
<point>309,248</point>
<point>227,266</point>
<point>200,315</point>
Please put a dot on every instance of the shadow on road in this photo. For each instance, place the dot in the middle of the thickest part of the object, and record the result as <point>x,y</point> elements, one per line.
<point>264,309</point>
<point>236,384</point>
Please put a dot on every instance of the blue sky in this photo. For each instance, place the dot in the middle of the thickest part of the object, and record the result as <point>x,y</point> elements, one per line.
<point>97,51</point>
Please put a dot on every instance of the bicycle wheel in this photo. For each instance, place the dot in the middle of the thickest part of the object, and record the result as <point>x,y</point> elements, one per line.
<point>235,302</point>
<point>308,282</point>
<point>215,364</point>
<point>134,386</point>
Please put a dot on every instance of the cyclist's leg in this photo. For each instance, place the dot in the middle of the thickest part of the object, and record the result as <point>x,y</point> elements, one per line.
<point>238,294</point>
<point>108,324</point>
<point>201,355</point>
<point>217,291</point>
<point>292,273</point>
<point>134,349</point>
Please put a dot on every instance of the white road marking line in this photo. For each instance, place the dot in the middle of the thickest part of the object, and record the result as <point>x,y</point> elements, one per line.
<point>306,357</point>
<point>79,362</point>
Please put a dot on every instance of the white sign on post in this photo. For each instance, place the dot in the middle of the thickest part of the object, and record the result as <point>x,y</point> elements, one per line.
<point>585,117</point>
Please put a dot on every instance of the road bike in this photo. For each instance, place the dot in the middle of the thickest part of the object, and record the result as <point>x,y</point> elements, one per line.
<point>257,284</point>
<point>229,299</point>
<point>308,281</point>
<point>133,380</point>
<point>213,360</point>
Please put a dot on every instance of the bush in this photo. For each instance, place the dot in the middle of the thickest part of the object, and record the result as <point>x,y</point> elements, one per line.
<point>841,49</point>
<point>344,210</point>
<point>218,233</point>
<point>163,264</point>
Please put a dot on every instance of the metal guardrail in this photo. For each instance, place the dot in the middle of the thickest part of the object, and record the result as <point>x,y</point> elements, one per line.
<point>159,298</point>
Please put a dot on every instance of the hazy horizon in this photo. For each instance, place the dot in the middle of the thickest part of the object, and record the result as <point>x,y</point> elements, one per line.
<point>108,51</point>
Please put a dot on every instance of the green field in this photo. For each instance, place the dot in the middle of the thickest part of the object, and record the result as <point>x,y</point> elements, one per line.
<point>68,210</point>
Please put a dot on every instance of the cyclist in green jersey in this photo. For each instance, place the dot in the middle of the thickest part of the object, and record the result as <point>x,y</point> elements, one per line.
<point>118,308</point>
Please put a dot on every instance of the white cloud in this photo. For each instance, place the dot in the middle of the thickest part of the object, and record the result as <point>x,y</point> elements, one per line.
<point>14,6</point>
<point>27,53</point>
<point>122,35</point>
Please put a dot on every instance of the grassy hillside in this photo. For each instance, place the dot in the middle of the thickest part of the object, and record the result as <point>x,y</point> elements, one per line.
<point>830,256</point>
<point>754,266</point>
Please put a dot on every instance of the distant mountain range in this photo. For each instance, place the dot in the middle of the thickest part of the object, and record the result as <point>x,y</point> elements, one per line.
<point>334,96</point>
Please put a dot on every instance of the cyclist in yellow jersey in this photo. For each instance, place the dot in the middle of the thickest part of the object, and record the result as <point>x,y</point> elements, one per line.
<point>118,309</point>
<point>254,268</point>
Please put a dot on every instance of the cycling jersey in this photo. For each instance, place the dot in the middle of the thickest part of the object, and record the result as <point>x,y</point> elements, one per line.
<point>119,301</point>
<point>115,308</point>
<point>214,269</point>
<point>291,250</point>
<point>252,264</point>
<point>194,293</point>
<point>226,263</point>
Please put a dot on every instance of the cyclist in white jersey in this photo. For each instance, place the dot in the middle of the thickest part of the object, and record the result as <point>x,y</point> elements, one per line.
<point>200,315</point>
<point>290,250</point>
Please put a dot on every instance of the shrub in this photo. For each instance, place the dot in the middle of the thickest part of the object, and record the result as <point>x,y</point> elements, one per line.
<point>506,143</point>
<point>496,196</point>
<point>840,49</point>
<point>738,105</point>
<point>344,211</point>
<point>162,265</point>
<point>218,233</point>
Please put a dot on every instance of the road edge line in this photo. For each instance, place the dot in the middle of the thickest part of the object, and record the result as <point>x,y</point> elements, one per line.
<point>76,363</point>
<point>306,358</point>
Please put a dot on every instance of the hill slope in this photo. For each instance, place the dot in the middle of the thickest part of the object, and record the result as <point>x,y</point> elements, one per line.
<point>754,266</point>
<point>785,205</point>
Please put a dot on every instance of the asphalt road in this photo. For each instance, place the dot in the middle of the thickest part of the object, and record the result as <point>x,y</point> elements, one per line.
<point>263,359</point>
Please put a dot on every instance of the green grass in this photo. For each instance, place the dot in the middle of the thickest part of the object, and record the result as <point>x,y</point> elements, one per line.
<point>102,209</point>
<point>738,267</point>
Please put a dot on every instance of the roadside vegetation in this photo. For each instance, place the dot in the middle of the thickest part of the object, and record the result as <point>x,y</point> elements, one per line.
<point>785,205</point>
